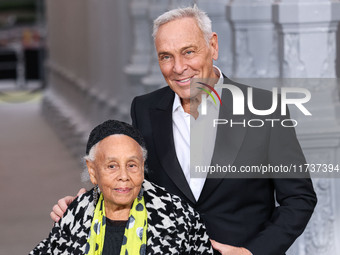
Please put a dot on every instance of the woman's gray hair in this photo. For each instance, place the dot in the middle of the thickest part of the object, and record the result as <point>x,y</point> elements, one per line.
<point>92,154</point>
<point>202,19</point>
<point>85,177</point>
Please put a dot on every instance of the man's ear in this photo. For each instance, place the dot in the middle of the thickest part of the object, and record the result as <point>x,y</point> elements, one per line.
<point>92,172</point>
<point>214,46</point>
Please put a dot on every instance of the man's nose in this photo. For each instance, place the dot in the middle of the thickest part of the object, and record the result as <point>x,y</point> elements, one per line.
<point>179,65</point>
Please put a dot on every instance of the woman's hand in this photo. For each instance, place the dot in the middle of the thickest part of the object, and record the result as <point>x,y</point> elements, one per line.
<point>226,249</point>
<point>59,208</point>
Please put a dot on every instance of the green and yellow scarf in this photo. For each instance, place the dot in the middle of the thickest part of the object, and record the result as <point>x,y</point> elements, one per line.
<point>134,240</point>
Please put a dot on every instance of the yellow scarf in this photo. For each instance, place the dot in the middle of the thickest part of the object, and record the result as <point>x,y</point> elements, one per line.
<point>134,240</point>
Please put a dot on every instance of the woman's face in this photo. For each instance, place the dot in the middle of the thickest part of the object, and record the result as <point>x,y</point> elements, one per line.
<point>118,169</point>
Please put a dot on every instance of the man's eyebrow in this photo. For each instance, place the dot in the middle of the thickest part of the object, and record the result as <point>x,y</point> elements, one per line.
<point>187,47</point>
<point>163,53</point>
<point>181,49</point>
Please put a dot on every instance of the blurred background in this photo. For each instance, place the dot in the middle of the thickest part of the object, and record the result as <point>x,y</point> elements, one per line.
<point>22,43</point>
<point>66,66</point>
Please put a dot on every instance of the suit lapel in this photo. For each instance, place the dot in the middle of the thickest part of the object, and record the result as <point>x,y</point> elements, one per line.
<point>161,118</point>
<point>228,142</point>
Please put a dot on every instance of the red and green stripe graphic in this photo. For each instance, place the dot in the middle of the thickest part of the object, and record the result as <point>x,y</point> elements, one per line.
<point>207,91</point>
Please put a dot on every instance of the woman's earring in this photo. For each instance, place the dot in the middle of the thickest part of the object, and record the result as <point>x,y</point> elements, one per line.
<point>140,194</point>
<point>95,194</point>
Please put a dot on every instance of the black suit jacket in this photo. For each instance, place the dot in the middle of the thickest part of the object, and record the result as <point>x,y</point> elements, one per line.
<point>238,212</point>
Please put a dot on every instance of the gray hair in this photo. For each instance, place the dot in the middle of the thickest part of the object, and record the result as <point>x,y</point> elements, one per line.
<point>202,19</point>
<point>92,154</point>
<point>85,177</point>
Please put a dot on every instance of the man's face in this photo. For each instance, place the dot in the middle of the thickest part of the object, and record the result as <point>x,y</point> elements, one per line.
<point>118,169</point>
<point>183,54</point>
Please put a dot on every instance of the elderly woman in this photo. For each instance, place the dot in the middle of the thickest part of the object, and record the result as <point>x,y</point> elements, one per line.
<point>124,214</point>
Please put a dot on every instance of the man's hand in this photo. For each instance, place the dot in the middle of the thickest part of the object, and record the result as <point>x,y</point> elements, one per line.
<point>60,208</point>
<point>225,249</point>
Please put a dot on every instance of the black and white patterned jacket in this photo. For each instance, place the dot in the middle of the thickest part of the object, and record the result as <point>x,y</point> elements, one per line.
<point>173,226</point>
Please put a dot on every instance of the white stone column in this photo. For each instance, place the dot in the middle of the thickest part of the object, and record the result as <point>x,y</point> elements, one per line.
<point>154,79</point>
<point>307,44</point>
<point>308,37</point>
<point>255,38</point>
<point>88,42</point>
<point>109,39</point>
<point>118,48</point>
<point>96,94</point>
<point>142,45</point>
<point>216,10</point>
<point>64,100</point>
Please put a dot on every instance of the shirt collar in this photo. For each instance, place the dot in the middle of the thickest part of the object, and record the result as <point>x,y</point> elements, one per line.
<point>177,104</point>
<point>219,74</point>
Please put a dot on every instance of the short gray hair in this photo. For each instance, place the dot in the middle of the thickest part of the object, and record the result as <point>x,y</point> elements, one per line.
<point>85,177</point>
<point>92,153</point>
<point>202,19</point>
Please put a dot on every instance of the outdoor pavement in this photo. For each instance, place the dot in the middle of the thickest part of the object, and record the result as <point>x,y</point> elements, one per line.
<point>36,169</point>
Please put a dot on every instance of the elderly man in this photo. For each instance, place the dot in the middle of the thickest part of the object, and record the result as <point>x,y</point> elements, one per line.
<point>240,214</point>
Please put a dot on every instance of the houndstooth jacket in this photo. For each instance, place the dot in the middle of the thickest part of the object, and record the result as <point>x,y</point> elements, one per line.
<point>173,226</point>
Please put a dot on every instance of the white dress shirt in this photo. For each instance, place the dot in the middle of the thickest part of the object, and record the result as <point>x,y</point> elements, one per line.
<point>202,139</point>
